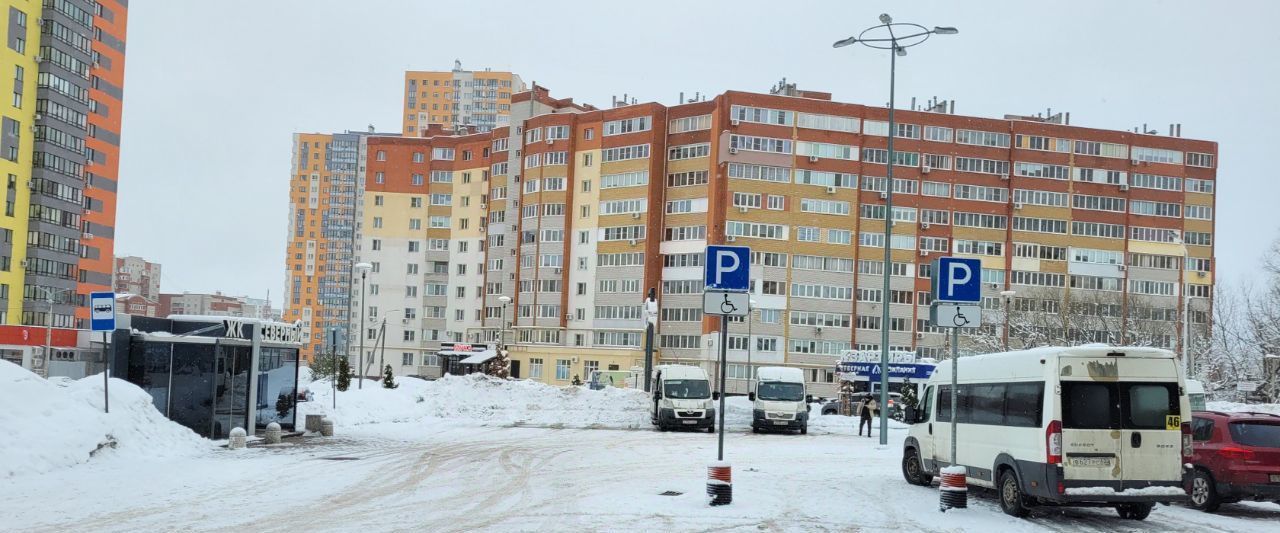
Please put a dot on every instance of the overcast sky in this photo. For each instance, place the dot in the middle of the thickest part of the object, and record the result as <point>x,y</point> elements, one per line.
<point>214,90</point>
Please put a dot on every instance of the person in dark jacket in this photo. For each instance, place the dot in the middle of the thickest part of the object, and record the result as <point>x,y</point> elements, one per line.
<point>867,409</point>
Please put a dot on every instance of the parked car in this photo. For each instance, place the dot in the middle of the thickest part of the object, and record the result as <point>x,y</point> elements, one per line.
<point>1236,457</point>
<point>832,407</point>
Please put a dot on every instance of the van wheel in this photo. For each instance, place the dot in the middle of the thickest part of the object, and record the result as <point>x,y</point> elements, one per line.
<point>913,470</point>
<point>804,430</point>
<point>711,428</point>
<point>1134,511</point>
<point>1204,496</point>
<point>1011,500</point>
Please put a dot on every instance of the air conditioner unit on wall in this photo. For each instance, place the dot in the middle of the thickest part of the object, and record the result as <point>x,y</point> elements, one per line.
<point>813,159</point>
<point>925,169</point>
<point>884,196</point>
<point>731,238</point>
<point>733,150</point>
<point>831,190</point>
<point>550,140</point>
<point>924,253</point>
<point>735,122</point>
<point>924,225</point>
<point>1004,177</point>
<point>742,209</point>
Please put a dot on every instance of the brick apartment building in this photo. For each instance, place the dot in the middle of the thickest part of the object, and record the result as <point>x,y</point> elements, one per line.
<point>573,212</point>
<point>135,275</point>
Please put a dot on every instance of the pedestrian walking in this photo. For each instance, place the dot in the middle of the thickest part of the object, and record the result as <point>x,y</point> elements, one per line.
<point>867,409</point>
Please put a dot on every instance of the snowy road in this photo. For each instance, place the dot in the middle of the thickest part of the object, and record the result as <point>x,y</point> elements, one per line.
<point>449,477</point>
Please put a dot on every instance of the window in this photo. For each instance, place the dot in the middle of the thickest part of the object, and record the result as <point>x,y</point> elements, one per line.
<point>808,234</point>
<point>1042,279</point>
<point>562,369</point>
<point>776,202</point>
<point>623,153</point>
<point>761,115</point>
<point>696,123</point>
<point>982,138</point>
<point>1047,144</point>
<point>756,230</point>
<point>630,125</point>
<point>1041,170</point>
<point>827,122</point>
<point>760,144</point>
<point>1199,212</point>
<point>1098,203</point>
<point>1157,155</point>
<point>759,172</point>
<point>1097,229</point>
<point>827,150</point>
<point>984,194</point>
<point>1040,225</point>
<point>626,179</point>
<point>810,177</point>
<point>1102,149</point>
<point>1035,197</point>
<point>840,236</point>
<point>742,199</point>
<point>982,166</point>
<point>979,220</point>
<point>686,179</point>
<point>878,128</point>
<point>1200,186</point>
<point>535,367</point>
<point>688,151</point>
<point>937,134</point>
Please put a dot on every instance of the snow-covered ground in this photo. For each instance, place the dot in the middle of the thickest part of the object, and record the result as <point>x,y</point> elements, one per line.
<point>1272,408</point>
<point>469,454</point>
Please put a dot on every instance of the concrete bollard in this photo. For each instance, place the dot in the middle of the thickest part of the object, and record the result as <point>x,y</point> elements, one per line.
<point>273,433</point>
<point>326,427</point>
<point>237,439</point>
<point>313,423</point>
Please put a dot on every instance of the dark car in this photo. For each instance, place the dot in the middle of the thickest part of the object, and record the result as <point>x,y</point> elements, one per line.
<point>1237,457</point>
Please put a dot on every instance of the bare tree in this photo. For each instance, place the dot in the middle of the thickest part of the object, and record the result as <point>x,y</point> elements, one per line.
<point>1052,317</point>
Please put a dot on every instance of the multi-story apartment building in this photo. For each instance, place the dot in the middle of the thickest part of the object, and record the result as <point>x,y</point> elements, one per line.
<point>572,213</point>
<point>216,304</point>
<point>457,98</point>
<point>324,206</point>
<point>135,275</point>
<point>19,57</point>
<point>77,102</point>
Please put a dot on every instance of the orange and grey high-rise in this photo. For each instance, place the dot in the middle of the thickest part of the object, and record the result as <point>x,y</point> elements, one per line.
<point>76,159</point>
<point>458,98</point>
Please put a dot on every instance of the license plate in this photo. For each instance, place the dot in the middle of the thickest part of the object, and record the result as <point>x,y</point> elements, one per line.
<point>780,422</point>
<point>1089,462</point>
<point>1275,478</point>
<point>688,421</point>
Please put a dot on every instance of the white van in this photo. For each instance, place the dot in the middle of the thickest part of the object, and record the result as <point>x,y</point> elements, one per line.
<point>682,398</point>
<point>1091,425</point>
<point>779,400</point>
<point>1195,395</point>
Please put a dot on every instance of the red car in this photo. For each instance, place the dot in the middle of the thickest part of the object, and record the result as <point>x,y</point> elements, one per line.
<point>1237,457</point>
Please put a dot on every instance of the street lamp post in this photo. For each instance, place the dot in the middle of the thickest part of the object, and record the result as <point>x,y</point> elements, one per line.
<point>363,269</point>
<point>1007,296</point>
<point>751,373</point>
<point>48,324</point>
<point>898,45</point>
<point>502,332</point>
<point>651,321</point>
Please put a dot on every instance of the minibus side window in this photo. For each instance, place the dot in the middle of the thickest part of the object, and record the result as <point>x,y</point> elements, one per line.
<point>1088,405</point>
<point>944,403</point>
<point>1024,405</point>
<point>928,404</point>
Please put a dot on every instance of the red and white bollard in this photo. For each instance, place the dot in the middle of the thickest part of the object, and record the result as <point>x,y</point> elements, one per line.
<point>954,491</point>
<point>720,483</point>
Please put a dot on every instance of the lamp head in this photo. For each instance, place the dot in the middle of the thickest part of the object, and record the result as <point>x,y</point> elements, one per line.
<point>945,30</point>
<point>901,51</point>
<point>886,19</point>
<point>844,42</point>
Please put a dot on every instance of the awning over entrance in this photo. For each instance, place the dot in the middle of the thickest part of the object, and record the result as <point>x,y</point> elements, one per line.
<point>476,357</point>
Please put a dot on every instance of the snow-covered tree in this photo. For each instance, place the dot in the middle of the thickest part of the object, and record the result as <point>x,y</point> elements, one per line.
<point>388,378</point>
<point>344,374</point>
<point>500,365</point>
<point>1051,317</point>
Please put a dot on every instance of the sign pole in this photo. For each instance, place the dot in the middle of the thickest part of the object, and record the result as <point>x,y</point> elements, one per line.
<point>724,341</point>
<point>106,371</point>
<point>955,368</point>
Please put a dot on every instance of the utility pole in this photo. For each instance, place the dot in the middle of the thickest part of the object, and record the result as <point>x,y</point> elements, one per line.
<point>651,320</point>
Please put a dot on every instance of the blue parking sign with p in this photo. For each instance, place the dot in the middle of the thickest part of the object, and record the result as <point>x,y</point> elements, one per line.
<point>727,268</point>
<point>957,279</point>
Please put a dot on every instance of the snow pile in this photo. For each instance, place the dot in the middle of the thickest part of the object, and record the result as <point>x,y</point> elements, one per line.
<point>1229,407</point>
<point>1108,491</point>
<point>45,425</point>
<point>483,400</point>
